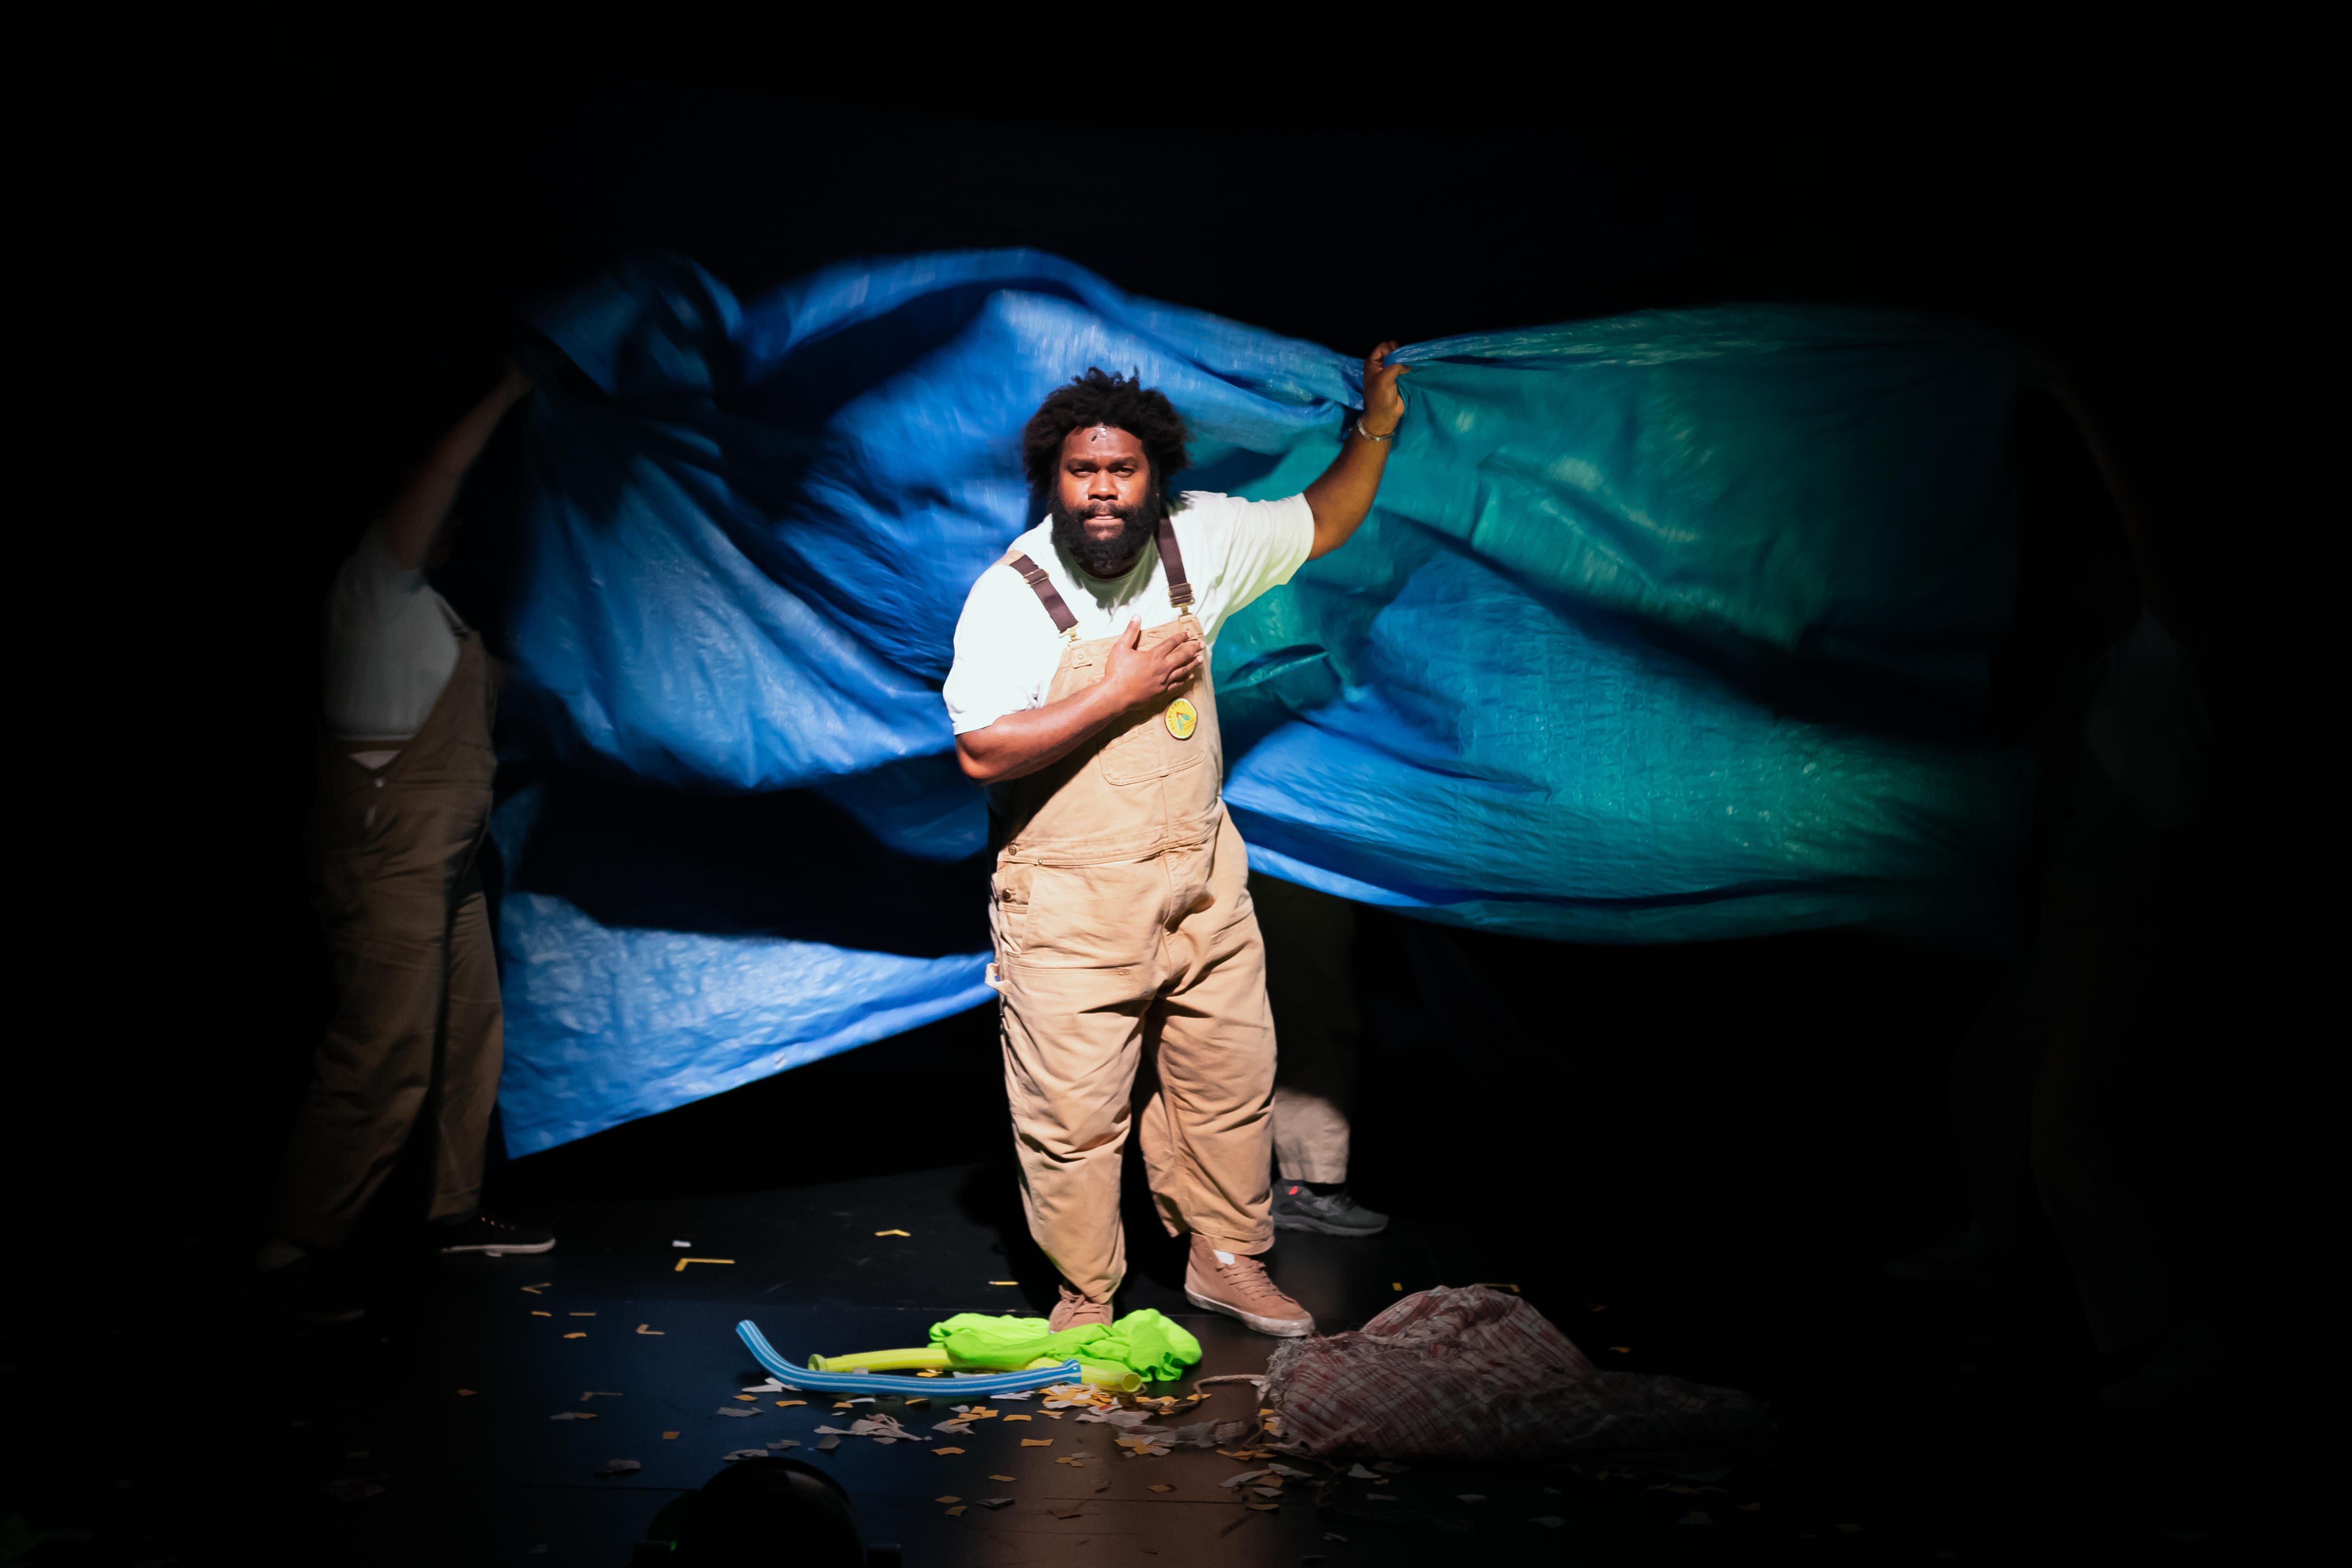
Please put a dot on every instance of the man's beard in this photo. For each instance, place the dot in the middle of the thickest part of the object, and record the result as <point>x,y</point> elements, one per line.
<point>1110,557</point>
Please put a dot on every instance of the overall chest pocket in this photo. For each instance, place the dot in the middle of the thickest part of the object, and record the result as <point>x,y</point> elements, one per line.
<point>1149,749</point>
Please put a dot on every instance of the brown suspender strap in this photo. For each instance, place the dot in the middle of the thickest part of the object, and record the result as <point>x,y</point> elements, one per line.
<point>1047,594</point>
<point>1180,589</point>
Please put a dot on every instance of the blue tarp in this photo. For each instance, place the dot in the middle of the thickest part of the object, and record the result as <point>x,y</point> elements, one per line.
<point>1667,627</point>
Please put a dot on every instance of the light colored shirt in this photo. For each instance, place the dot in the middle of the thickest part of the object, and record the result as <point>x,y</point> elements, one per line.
<point>391,644</point>
<point>1007,648</point>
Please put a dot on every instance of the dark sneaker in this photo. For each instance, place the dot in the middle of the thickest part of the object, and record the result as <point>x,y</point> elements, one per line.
<point>1331,1212</point>
<point>487,1233</point>
<point>1075,1311</point>
<point>1241,1289</point>
<point>302,1290</point>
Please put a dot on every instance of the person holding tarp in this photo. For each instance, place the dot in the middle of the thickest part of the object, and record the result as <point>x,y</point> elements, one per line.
<point>404,799</point>
<point>1125,941</point>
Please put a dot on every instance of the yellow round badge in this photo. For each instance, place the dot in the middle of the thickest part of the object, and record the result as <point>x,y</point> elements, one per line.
<point>1183,719</point>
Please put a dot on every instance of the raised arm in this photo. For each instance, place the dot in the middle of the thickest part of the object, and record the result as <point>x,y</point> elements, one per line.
<point>1018,745</point>
<point>1342,498</point>
<point>412,521</point>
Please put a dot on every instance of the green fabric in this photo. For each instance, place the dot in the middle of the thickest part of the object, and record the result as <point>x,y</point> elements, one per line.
<point>1144,1343</point>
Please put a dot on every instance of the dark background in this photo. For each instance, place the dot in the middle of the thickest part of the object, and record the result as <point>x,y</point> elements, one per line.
<point>267,265</point>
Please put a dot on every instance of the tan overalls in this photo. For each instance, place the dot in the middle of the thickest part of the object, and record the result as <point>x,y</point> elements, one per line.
<point>1125,938</point>
<point>417,1026</point>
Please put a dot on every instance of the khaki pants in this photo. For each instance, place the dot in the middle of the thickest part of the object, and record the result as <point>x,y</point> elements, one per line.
<point>1310,978</point>
<point>417,1031</point>
<point>1179,1039</point>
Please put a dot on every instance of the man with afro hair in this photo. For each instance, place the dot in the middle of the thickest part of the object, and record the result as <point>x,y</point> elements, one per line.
<point>1127,954</point>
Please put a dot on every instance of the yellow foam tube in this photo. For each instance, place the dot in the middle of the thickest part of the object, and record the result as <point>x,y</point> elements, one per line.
<point>928,1357</point>
<point>1097,1374</point>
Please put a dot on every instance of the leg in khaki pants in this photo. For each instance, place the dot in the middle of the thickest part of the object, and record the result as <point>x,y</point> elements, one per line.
<point>1077,1029</point>
<point>416,1033</point>
<point>1311,982</point>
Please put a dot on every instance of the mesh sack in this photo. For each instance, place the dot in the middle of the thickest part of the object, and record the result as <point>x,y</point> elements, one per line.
<point>1473,1374</point>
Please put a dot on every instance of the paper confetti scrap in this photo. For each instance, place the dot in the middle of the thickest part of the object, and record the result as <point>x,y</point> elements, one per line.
<point>577,1334</point>
<point>464,1393</point>
<point>788,1403</point>
<point>749,1399</point>
<point>1251,1476</point>
<point>535,1290</point>
<point>1263,1507</point>
<point>827,1445</point>
<point>1016,1418</point>
<point>995,1501</point>
<point>1162,1487</point>
<point>785,1443</point>
<point>747,1454</point>
<point>944,1452</point>
<point>536,1313</point>
<point>1063,1510</point>
<point>684,1261</point>
<point>957,1511</point>
<point>1398,1284</point>
<point>681,1244</point>
<point>1000,1478</point>
<point>1004,1282</point>
<point>619,1467</point>
<point>1362,1474</point>
<point>574,1415</point>
<point>730,1410</point>
<point>579,1314</point>
<point>890,1233</point>
<point>669,1436</point>
<point>656,1333</point>
<point>1036,1442</point>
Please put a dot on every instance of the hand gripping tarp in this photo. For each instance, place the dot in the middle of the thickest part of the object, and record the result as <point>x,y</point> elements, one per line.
<point>1666,627</point>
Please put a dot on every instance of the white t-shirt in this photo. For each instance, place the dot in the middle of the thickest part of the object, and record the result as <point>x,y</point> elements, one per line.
<point>391,647</point>
<point>1006,647</point>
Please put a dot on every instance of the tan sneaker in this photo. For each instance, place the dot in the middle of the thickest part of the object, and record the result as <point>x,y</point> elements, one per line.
<point>1075,1311</point>
<point>1241,1289</point>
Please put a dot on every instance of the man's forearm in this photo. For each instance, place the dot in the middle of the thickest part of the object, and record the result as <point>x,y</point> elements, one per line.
<point>416,515</point>
<point>1342,498</point>
<point>1019,744</point>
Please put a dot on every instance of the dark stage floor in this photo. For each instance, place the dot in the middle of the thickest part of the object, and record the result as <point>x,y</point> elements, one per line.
<point>1682,1188</point>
